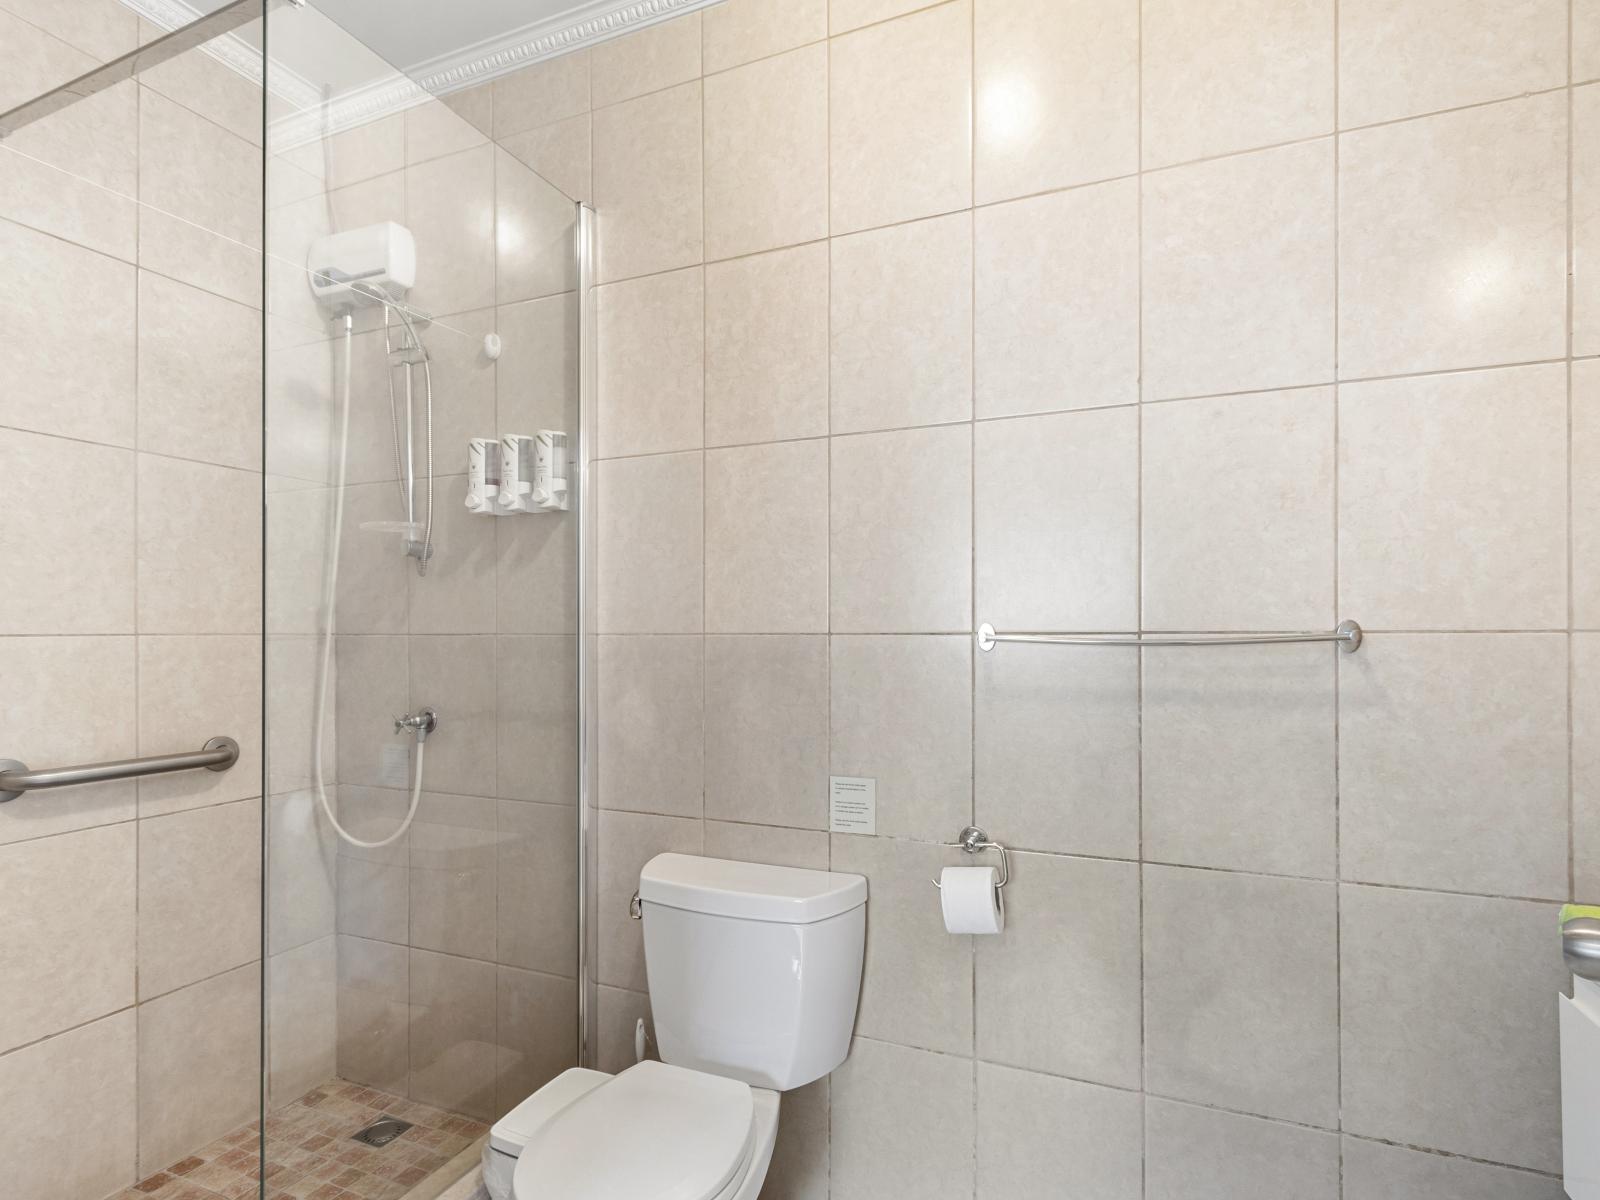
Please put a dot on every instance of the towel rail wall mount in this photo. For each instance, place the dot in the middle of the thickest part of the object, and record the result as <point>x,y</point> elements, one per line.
<point>1347,635</point>
<point>218,754</point>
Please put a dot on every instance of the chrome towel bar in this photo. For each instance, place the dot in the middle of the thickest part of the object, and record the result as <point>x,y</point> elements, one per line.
<point>1347,635</point>
<point>218,754</point>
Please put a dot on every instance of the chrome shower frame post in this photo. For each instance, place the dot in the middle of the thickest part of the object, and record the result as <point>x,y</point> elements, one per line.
<point>588,713</point>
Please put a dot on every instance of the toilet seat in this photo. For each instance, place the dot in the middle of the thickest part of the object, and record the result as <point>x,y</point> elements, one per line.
<point>654,1132</point>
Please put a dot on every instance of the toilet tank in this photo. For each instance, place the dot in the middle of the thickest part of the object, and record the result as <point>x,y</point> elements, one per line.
<point>754,970</point>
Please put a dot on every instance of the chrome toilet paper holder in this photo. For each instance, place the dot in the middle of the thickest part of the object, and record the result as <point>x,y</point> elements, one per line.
<point>974,840</point>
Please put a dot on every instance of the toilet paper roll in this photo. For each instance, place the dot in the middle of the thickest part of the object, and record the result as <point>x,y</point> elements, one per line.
<point>970,900</point>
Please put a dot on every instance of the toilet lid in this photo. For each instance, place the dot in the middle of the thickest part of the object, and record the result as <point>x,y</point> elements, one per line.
<point>654,1132</point>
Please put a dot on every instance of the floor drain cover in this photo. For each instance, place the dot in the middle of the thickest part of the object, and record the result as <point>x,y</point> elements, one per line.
<point>382,1131</point>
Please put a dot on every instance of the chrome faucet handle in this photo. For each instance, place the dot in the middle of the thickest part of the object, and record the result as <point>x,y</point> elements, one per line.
<point>422,722</point>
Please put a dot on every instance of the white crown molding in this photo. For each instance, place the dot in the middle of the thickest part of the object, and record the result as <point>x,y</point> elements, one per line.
<point>314,117</point>
<point>583,25</point>
<point>230,50</point>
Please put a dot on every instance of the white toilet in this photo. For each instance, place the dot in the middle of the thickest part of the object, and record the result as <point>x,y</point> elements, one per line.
<point>754,975</point>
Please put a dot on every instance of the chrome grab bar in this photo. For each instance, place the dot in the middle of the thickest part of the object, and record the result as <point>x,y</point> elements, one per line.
<point>218,754</point>
<point>1348,635</point>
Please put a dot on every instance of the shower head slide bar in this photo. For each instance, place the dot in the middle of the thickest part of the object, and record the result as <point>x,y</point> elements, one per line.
<point>1347,635</point>
<point>218,754</point>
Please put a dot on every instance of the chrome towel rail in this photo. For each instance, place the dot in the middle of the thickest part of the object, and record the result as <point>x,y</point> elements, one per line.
<point>218,754</point>
<point>1347,635</point>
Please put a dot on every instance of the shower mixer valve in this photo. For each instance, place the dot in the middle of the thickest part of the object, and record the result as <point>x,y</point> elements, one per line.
<point>422,722</point>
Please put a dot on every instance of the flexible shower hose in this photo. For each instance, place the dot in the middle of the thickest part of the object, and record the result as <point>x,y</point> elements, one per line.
<point>325,661</point>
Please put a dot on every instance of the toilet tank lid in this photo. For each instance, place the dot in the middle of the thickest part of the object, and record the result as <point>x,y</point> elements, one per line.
<point>752,891</point>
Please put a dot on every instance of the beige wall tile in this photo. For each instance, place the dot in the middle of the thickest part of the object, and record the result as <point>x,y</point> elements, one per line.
<point>1453,763</point>
<point>627,842</point>
<point>1585,766</point>
<point>374,1014</point>
<point>1038,1134</point>
<point>196,519</point>
<point>374,883</point>
<point>199,894</point>
<point>101,28</point>
<point>766,346</point>
<point>452,1031</point>
<point>901,346</point>
<point>916,987</point>
<point>374,684</point>
<point>800,1158</point>
<point>901,713</point>
<point>68,700</point>
<point>648,183</point>
<point>1056,503</point>
<point>536,692</point>
<point>902,1122</point>
<point>844,15</point>
<point>458,594</point>
<point>536,377</point>
<point>651,724</point>
<point>69,365</point>
<point>450,208</point>
<point>1242,1007</point>
<point>1452,241</point>
<point>766,147</point>
<point>1057,321</point>
<point>198,171</point>
<point>71,566</point>
<point>199,375</point>
<point>804,848</point>
<point>536,887</point>
<point>767,730</point>
<point>1413,1034</point>
<point>900,123</point>
<point>767,538</point>
<point>303,1019</point>
<point>1585,220</point>
<point>453,869</point>
<point>616,1015</point>
<point>651,537</point>
<point>1585,40</point>
<point>1057,94</point>
<point>560,152</point>
<point>648,61</point>
<point>434,129</point>
<point>192,689</point>
<point>92,1069</point>
<point>213,89</point>
<point>1376,1171</point>
<point>1221,80</point>
<point>301,869</point>
<point>1452,501</point>
<point>1202,1154</point>
<point>1397,60</point>
<point>1237,512</point>
<point>651,378</point>
<point>366,151</point>
<point>535,238</point>
<point>547,91</point>
<point>81,166</point>
<point>172,247</point>
<point>901,532</point>
<point>452,674</point>
<point>1240,253</point>
<point>1089,967</point>
<point>743,30</point>
<point>535,1016</point>
<point>1057,750</point>
<point>1238,767</point>
<point>67,934</point>
<point>199,1065</point>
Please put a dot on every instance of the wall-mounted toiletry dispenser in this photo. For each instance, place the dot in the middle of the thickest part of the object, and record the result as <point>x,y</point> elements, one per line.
<point>518,473</point>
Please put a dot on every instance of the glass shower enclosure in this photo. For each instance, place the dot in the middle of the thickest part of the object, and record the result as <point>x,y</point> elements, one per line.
<point>326,406</point>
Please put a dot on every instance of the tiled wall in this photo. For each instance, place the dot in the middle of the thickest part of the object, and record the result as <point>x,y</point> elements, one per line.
<point>130,618</point>
<point>443,966</point>
<point>1115,316</point>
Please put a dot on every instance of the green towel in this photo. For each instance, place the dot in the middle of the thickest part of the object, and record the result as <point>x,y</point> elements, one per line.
<point>1571,912</point>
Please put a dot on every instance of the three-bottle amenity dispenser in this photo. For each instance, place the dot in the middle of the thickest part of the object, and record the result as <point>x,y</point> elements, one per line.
<point>519,473</point>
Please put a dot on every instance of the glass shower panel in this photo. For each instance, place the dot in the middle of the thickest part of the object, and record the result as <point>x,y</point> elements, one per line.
<point>130,483</point>
<point>421,658</point>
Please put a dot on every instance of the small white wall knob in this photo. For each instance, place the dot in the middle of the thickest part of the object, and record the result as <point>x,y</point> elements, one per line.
<point>639,1041</point>
<point>492,345</point>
